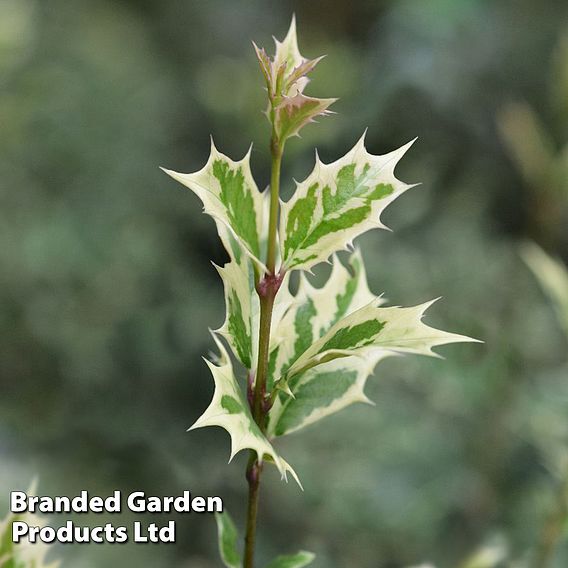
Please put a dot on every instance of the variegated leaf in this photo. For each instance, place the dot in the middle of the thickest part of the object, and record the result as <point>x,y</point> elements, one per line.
<point>336,203</point>
<point>230,411</point>
<point>312,311</point>
<point>232,246</point>
<point>227,537</point>
<point>553,278</point>
<point>239,297</point>
<point>230,195</point>
<point>299,560</point>
<point>322,391</point>
<point>295,111</point>
<point>393,329</point>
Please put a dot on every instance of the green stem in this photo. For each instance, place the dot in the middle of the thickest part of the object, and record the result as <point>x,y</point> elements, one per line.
<point>276,150</point>
<point>267,289</point>
<point>253,477</point>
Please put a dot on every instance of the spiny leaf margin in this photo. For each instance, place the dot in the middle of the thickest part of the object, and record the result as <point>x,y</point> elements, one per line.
<point>230,195</point>
<point>312,311</point>
<point>336,203</point>
<point>395,329</point>
<point>230,411</point>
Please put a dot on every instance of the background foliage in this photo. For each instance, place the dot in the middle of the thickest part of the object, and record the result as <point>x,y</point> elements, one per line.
<point>106,289</point>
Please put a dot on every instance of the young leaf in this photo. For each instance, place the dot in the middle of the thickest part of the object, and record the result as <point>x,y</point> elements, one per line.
<point>230,411</point>
<point>322,391</point>
<point>299,560</point>
<point>313,310</point>
<point>288,54</point>
<point>227,536</point>
<point>286,77</point>
<point>393,329</point>
<point>288,69</point>
<point>230,195</point>
<point>294,112</point>
<point>336,203</point>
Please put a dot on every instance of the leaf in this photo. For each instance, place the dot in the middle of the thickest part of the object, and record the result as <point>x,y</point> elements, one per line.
<point>331,372</point>
<point>299,560</point>
<point>322,391</point>
<point>230,195</point>
<point>294,112</point>
<point>393,329</point>
<point>312,311</point>
<point>239,296</point>
<point>336,203</point>
<point>552,275</point>
<point>227,536</point>
<point>331,339</point>
<point>230,411</point>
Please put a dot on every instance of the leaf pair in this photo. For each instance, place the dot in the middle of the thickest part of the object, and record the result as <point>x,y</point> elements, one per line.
<point>333,337</point>
<point>228,537</point>
<point>335,204</point>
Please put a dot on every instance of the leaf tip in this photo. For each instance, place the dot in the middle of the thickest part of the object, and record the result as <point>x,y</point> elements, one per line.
<point>292,30</point>
<point>213,149</point>
<point>246,158</point>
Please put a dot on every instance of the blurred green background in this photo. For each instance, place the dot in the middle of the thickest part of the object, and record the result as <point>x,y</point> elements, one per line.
<point>107,290</point>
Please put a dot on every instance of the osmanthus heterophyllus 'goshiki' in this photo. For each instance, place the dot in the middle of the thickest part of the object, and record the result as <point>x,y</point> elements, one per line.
<point>307,355</point>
